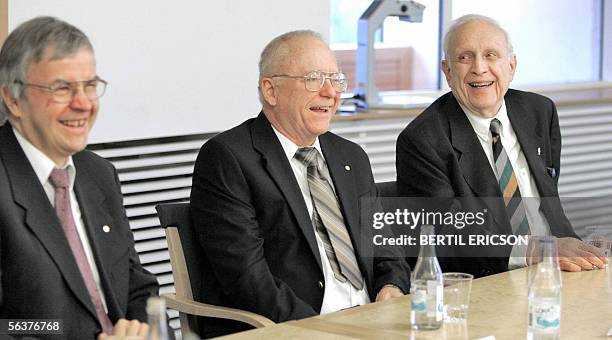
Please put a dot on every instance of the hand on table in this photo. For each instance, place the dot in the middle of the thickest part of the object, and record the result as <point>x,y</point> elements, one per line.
<point>575,255</point>
<point>124,328</point>
<point>388,292</point>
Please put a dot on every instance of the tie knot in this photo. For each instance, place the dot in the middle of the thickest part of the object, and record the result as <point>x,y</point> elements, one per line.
<point>495,127</point>
<point>307,156</point>
<point>59,178</point>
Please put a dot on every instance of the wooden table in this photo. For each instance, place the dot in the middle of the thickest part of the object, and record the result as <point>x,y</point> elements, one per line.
<point>498,307</point>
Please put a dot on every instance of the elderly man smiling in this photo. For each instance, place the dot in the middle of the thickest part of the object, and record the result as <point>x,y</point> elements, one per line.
<point>66,246</point>
<point>486,140</point>
<point>276,200</point>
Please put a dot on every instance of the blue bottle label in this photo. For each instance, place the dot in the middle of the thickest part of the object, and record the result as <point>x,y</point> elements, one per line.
<point>545,316</point>
<point>418,300</point>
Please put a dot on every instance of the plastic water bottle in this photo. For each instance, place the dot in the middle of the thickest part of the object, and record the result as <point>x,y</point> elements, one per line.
<point>545,294</point>
<point>426,287</point>
<point>156,312</point>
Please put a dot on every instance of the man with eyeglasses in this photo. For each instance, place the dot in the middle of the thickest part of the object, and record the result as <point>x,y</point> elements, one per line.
<point>483,140</point>
<point>276,200</point>
<point>66,249</point>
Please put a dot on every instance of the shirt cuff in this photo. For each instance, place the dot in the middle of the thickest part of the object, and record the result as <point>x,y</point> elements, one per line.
<point>392,286</point>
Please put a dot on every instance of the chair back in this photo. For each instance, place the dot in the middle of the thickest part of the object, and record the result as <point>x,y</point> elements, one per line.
<point>387,189</point>
<point>184,251</point>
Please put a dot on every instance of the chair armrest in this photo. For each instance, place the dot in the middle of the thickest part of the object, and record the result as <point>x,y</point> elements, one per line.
<point>203,309</point>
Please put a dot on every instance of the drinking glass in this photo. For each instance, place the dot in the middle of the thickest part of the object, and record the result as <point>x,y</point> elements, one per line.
<point>457,287</point>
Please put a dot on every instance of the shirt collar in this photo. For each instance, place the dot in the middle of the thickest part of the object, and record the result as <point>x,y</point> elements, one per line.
<point>481,125</point>
<point>42,164</point>
<point>290,148</point>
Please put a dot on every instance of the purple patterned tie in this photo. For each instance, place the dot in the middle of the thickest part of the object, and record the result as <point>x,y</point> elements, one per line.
<point>59,180</point>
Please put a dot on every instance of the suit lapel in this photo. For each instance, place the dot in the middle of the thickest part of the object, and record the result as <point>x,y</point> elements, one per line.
<point>344,185</point>
<point>274,160</point>
<point>40,216</point>
<point>474,164</point>
<point>524,124</point>
<point>91,200</point>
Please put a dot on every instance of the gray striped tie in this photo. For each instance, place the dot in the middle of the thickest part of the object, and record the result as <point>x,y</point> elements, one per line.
<point>508,184</point>
<point>328,221</point>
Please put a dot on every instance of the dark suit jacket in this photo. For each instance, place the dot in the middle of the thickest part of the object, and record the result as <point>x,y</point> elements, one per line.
<point>40,278</point>
<point>253,224</point>
<point>439,155</point>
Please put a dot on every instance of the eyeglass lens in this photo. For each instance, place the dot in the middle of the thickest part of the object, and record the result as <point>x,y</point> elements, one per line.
<point>316,80</point>
<point>92,89</point>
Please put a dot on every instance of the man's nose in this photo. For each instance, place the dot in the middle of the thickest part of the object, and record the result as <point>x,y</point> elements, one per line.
<point>479,65</point>
<point>80,101</point>
<point>328,89</point>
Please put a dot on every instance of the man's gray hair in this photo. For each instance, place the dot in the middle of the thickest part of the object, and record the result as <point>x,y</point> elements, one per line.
<point>277,53</point>
<point>459,22</point>
<point>28,43</point>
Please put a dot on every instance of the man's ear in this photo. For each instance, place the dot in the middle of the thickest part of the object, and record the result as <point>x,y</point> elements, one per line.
<point>268,91</point>
<point>513,62</point>
<point>10,101</point>
<point>445,67</point>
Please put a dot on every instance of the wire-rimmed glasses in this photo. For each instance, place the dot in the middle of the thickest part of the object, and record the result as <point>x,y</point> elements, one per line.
<point>64,91</point>
<point>314,80</point>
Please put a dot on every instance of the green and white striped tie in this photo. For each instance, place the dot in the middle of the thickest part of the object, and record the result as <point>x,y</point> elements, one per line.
<point>508,184</point>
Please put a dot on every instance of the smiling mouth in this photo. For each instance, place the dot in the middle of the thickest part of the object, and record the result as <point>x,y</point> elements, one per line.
<point>320,108</point>
<point>74,123</point>
<point>479,85</point>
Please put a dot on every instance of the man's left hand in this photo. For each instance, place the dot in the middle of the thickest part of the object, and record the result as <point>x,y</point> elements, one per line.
<point>576,255</point>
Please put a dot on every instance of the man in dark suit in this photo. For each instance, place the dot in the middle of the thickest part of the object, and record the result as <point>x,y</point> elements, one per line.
<point>258,203</point>
<point>452,149</point>
<point>66,248</point>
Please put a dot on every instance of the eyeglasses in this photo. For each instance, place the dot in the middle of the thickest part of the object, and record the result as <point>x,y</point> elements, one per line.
<point>315,80</point>
<point>64,91</point>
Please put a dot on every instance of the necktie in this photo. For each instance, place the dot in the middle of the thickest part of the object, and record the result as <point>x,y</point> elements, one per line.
<point>508,184</point>
<point>59,180</point>
<point>329,223</point>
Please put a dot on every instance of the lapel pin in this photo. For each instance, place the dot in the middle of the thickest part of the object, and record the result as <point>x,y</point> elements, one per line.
<point>347,167</point>
<point>106,228</point>
<point>539,151</point>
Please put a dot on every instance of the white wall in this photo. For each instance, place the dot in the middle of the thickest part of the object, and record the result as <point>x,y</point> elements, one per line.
<point>556,41</point>
<point>177,67</point>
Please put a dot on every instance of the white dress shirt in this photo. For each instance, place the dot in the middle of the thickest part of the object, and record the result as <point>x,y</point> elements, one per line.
<point>337,295</point>
<point>43,166</point>
<point>529,191</point>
